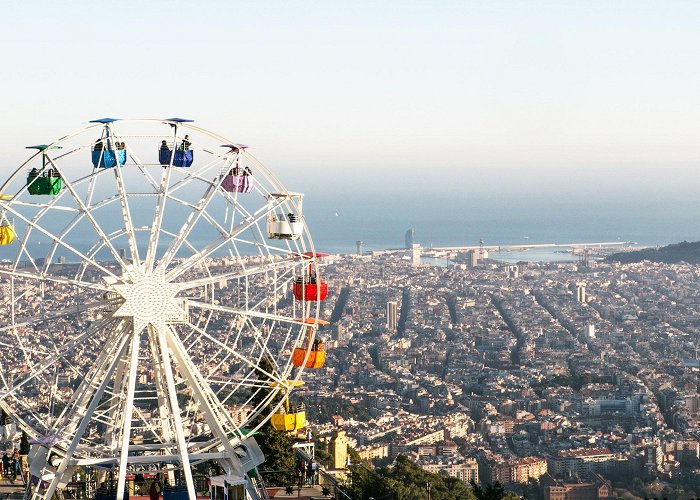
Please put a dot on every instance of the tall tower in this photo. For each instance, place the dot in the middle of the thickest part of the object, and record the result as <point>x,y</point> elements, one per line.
<point>581,293</point>
<point>359,247</point>
<point>392,316</point>
<point>473,258</point>
<point>410,238</point>
<point>339,449</point>
<point>415,256</point>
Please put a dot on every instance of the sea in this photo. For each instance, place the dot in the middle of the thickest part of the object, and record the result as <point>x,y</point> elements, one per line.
<point>337,220</point>
<point>381,222</point>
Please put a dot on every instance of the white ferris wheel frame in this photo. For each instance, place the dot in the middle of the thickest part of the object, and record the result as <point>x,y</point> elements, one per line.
<point>120,357</point>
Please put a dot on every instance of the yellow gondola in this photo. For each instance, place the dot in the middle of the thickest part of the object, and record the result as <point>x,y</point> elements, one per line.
<point>316,349</point>
<point>286,420</point>
<point>7,233</point>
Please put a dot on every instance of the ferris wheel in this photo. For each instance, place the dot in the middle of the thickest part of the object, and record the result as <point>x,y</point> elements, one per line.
<point>161,298</point>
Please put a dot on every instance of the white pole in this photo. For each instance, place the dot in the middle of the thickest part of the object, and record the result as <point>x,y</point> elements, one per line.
<point>128,414</point>
<point>175,415</point>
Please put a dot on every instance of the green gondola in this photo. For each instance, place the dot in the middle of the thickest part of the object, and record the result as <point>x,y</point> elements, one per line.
<point>46,182</point>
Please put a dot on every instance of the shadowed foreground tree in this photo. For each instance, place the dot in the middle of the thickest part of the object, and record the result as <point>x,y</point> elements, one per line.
<point>405,481</point>
<point>492,491</point>
<point>275,445</point>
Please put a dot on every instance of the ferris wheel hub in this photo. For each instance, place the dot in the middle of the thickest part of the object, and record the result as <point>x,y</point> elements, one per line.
<point>148,299</point>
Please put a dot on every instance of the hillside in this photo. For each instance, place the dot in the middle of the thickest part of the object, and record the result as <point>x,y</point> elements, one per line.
<point>678,252</point>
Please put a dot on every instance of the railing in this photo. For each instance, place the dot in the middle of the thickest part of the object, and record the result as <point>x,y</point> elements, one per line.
<point>325,479</point>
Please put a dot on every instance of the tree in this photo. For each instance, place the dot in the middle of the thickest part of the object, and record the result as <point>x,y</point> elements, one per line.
<point>405,481</point>
<point>275,445</point>
<point>492,491</point>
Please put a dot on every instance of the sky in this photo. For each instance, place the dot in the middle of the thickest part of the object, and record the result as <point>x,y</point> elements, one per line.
<point>560,99</point>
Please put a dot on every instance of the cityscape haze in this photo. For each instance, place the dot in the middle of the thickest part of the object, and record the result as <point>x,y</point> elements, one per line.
<point>455,308</point>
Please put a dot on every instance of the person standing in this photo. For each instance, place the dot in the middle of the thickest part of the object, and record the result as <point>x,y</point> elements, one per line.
<point>314,471</point>
<point>15,464</point>
<point>6,464</point>
<point>153,493</point>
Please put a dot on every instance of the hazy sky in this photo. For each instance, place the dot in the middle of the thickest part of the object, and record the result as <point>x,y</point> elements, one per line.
<point>451,96</point>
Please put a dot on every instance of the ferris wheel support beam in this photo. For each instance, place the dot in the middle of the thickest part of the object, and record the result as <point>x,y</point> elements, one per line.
<point>128,414</point>
<point>201,392</point>
<point>175,412</point>
<point>163,410</point>
<point>82,394</point>
<point>116,417</point>
<point>58,477</point>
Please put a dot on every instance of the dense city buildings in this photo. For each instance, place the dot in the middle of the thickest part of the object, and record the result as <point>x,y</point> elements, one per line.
<point>577,381</point>
<point>574,376</point>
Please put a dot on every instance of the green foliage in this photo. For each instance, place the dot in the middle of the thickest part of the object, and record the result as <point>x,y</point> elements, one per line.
<point>679,252</point>
<point>278,468</point>
<point>323,413</point>
<point>405,481</point>
<point>279,456</point>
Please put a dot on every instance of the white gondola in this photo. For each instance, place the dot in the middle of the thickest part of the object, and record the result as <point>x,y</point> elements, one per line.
<point>282,222</point>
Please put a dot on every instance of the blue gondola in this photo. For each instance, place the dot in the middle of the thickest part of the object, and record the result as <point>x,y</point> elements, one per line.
<point>181,158</point>
<point>107,158</point>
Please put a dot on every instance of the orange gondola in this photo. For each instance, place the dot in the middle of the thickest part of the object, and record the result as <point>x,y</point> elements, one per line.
<point>316,349</point>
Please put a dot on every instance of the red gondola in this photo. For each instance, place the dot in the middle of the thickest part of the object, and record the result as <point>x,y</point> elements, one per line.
<point>310,287</point>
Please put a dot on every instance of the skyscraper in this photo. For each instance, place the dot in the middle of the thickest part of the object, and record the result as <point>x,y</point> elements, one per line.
<point>359,247</point>
<point>410,237</point>
<point>581,293</point>
<point>415,256</point>
<point>392,315</point>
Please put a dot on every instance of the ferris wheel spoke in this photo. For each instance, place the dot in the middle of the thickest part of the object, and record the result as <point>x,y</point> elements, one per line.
<point>243,312</point>
<point>126,214</point>
<point>158,218</point>
<point>55,238</point>
<point>68,311</point>
<point>191,221</point>
<point>244,273</point>
<point>214,246</point>
<point>54,279</point>
<point>195,175</point>
<point>251,364</point>
<point>88,215</point>
<point>50,361</point>
<point>29,204</point>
